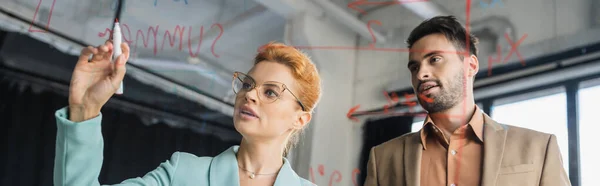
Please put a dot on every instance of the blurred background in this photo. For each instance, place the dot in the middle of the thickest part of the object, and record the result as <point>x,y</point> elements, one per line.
<point>539,69</point>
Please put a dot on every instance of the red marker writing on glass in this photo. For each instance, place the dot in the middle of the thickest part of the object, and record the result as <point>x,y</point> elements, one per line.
<point>117,48</point>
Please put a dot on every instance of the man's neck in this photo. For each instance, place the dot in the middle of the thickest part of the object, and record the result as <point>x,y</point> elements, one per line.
<point>453,118</point>
<point>260,157</point>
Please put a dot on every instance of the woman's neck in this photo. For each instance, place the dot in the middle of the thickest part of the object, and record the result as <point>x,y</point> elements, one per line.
<point>260,158</point>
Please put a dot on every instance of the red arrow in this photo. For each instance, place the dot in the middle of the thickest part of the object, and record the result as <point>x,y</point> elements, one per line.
<point>351,111</point>
<point>354,5</point>
<point>425,98</point>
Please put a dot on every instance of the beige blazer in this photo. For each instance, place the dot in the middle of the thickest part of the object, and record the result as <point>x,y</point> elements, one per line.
<point>512,156</point>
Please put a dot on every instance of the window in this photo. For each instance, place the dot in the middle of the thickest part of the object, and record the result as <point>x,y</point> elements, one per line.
<point>588,125</point>
<point>544,111</point>
<point>480,105</point>
<point>416,126</point>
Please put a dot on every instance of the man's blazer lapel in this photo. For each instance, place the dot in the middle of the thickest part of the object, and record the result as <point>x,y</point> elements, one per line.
<point>413,150</point>
<point>494,138</point>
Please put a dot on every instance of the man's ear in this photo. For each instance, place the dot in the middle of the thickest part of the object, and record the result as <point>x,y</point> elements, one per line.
<point>302,120</point>
<point>473,66</point>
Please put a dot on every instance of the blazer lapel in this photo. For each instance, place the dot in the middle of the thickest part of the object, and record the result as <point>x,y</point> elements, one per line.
<point>412,159</point>
<point>224,168</point>
<point>493,144</point>
<point>287,176</point>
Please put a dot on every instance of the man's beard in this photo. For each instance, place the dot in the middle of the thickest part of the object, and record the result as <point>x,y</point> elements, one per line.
<point>447,97</point>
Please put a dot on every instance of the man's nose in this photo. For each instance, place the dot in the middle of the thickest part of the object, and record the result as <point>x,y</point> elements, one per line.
<point>424,72</point>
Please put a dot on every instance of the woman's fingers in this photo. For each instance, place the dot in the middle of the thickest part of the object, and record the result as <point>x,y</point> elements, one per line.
<point>125,49</point>
<point>109,44</point>
<point>119,72</point>
<point>108,53</point>
<point>103,53</point>
<point>86,52</point>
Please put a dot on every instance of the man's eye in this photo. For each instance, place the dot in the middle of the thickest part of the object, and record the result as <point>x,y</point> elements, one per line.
<point>412,68</point>
<point>436,59</point>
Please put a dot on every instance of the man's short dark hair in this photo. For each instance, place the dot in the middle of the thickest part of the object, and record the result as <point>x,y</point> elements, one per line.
<point>450,27</point>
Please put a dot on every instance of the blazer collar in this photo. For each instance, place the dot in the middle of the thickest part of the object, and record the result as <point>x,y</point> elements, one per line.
<point>412,159</point>
<point>493,145</point>
<point>224,170</point>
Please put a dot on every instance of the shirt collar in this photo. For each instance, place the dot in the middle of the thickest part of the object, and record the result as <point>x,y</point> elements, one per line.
<point>476,123</point>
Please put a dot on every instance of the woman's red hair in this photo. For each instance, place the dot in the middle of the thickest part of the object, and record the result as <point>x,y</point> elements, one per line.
<point>304,72</point>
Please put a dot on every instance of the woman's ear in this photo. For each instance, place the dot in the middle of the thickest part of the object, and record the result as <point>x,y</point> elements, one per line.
<point>302,120</point>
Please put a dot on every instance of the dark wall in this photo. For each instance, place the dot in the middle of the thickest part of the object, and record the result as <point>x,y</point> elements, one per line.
<point>28,134</point>
<point>379,131</point>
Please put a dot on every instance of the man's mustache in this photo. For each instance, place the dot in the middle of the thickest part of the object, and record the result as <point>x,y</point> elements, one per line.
<point>437,82</point>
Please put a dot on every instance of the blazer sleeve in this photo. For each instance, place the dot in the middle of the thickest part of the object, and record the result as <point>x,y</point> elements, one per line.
<point>79,155</point>
<point>371,179</point>
<point>553,172</point>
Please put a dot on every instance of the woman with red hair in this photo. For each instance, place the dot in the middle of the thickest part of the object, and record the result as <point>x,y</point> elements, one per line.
<point>274,103</point>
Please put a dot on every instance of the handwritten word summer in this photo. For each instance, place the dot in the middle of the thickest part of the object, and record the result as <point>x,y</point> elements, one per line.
<point>178,33</point>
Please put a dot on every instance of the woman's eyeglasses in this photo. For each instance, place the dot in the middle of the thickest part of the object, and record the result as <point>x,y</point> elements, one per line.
<point>267,92</point>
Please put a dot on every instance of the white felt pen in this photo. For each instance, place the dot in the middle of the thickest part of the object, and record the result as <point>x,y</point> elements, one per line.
<point>116,40</point>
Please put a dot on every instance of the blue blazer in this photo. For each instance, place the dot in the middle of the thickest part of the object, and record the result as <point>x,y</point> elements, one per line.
<point>79,155</point>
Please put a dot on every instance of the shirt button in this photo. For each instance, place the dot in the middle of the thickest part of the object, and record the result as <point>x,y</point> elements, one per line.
<point>453,153</point>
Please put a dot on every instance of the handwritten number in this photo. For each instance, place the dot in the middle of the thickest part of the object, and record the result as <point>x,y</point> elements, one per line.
<point>331,178</point>
<point>335,176</point>
<point>321,169</point>
<point>35,15</point>
<point>371,31</point>
<point>312,175</point>
<point>355,172</point>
